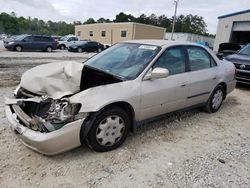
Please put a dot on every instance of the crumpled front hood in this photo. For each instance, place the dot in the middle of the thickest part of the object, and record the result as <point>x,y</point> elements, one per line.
<point>54,79</point>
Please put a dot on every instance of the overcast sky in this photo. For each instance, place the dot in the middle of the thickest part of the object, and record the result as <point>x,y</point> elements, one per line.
<point>74,10</point>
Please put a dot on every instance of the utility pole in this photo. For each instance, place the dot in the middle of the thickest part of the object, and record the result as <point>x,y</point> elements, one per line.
<point>175,11</point>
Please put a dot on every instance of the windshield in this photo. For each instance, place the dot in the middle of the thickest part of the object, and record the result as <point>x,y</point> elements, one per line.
<point>19,37</point>
<point>125,60</point>
<point>63,38</point>
<point>245,50</point>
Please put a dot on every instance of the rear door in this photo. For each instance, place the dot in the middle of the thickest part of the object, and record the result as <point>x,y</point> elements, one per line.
<point>164,95</point>
<point>39,43</point>
<point>92,46</point>
<point>202,75</point>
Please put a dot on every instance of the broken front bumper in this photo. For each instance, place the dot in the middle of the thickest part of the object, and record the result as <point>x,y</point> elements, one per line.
<point>63,139</point>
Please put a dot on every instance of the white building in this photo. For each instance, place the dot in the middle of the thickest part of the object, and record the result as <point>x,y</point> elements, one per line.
<point>190,38</point>
<point>233,28</point>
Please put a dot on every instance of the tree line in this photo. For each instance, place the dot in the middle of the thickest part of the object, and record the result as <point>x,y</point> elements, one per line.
<point>11,24</point>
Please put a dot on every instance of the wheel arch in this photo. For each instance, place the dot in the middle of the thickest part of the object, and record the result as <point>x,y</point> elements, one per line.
<point>87,124</point>
<point>14,48</point>
<point>224,85</point>
<point>127,107</point>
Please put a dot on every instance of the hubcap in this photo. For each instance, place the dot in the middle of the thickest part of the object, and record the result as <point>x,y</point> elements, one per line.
<point>79,50</point>
<point>99,50</point>
<point>18,48</point>
<point>62,47</point>
<point>110,130</point>
<point>217,99</point>
<point>49,49</point>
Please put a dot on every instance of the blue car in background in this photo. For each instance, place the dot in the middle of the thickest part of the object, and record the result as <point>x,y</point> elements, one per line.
<point>241,61</point>
<point>31,42</point>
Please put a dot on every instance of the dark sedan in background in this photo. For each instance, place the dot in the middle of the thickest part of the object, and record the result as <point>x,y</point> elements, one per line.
<point>226,49</point>
<point>31,42</point>
<point>241,61</point>
<point>86,46</point>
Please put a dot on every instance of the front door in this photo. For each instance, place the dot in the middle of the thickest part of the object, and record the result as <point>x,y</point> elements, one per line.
<point>164,95</point>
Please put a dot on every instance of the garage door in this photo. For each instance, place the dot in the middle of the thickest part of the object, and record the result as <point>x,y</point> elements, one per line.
<point>241,26</point>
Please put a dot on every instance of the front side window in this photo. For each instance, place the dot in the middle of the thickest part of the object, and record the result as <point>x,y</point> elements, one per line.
<point>199,59</point>
<point>124,60</point>
<point>123,34</point>
<point>70,39</point>
<point>28,39</point>
<point>91,33</point>
<point>172,59</point>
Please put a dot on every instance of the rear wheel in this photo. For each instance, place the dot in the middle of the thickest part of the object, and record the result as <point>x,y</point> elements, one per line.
<point>216,99</point>
<point>109,130</point>
<point>18,48</point>
<point>99,50</point>
<point>49,49</point>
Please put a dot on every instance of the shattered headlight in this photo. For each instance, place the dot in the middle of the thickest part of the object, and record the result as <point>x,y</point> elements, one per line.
<point>59,113</point>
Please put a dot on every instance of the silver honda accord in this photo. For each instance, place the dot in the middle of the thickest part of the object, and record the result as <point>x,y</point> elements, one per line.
<point>60,106</point>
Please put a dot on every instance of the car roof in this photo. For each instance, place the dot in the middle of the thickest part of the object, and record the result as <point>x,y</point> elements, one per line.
<point>162,43</point>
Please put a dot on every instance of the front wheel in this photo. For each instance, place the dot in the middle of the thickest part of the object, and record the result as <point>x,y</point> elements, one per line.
<point>216,99</point>
<point>62,47</point>
<point>109,130</point>
<point>18,48</point>
<point>79,50</point>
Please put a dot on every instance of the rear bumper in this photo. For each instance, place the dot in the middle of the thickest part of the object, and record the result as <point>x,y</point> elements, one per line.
<point>230,86</point>
<point>63,139</point>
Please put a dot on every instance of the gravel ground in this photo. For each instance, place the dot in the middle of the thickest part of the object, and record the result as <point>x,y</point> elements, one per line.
<point>191,149</point>
<point>14,64</point>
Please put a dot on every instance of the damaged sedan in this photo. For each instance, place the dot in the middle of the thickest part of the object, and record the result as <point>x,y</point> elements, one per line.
<point>60,106</point>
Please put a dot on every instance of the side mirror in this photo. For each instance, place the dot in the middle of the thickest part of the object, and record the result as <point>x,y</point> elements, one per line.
<point>157,73</point>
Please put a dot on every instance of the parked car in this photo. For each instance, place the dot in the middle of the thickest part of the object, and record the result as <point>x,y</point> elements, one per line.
<point>86,46</point>
<point>60,106</point>
<point>226,49</point>
<point>66,41</point>
<point>31,42</point>
<point>56,37</point>
<point>241,61</point>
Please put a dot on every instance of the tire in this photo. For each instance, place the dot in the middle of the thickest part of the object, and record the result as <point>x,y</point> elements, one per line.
<point>18,48</point>
<point>109,130</point>
<point>215,100</point>
<point>79,50</point>
<point>49,49</point>
<point>99,50</point>
<point>62,47</point>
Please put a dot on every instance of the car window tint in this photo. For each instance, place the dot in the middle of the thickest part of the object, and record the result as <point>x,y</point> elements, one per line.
<point>92,44</point>
<point>28,39</point>
<point>172,59</point>
<point>199,59</point>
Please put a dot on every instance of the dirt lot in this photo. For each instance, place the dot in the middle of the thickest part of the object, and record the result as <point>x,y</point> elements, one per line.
<point>191,149</point>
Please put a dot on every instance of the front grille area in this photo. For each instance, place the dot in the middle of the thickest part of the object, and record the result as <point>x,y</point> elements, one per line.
<point>247,67</point>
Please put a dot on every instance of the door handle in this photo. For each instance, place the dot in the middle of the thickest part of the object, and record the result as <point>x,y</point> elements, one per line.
<point>183,84</point>
<point>214,78</point>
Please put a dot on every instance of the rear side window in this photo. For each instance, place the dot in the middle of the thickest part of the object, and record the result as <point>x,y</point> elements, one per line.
<point>172,59</point>
<point>199,59</point>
